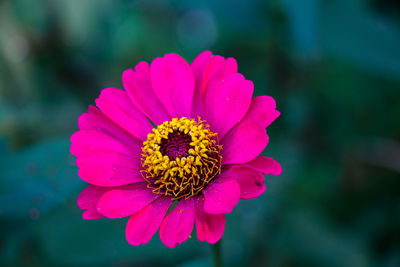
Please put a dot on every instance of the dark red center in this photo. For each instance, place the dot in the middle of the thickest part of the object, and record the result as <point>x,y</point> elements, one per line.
<point>176,146</point>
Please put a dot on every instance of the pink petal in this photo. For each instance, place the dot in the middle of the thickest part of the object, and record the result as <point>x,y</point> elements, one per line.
<point>95,120</point>
<point>143,225</point>
<point>91,215</point>
<point>107,155</point>
<point>243,143</point>
<point>251,181</point>
<point>265,165</point>
<point>178,224</point>
<point>226,103</point>
<point>87,200</point>
<point>89,196</point>
<point>137,83</point>
<point>89,142</point>
<point>198,67</point>
<point>209,227</point>
<point>117,106</point>
<point>221,196</point>
<point>262,110</point>
<point>109,169</point>
<point>125,201</point>
<point>217,69</point>
<point>173,83</point>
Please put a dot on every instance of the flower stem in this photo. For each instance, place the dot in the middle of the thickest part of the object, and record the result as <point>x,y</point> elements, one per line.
<point>217,254</point>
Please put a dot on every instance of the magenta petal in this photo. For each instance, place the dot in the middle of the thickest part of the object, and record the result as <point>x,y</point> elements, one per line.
<point>217,69</point>
<point>198,67</point>
<point>221,196</point>
<point>91,215</point>
<point>107,156</point>
<point>209,227</point>
<point>117,106</point>
<point>226,103</point>
<point>251,181</point>
<point>89,196</point>
<point>178,224</point>
<point>125,201</point>
<point>265,165</point>
<point>87,201</point>
<point>243,143</point>
<point>109,169</point>
<point>95,120</point>
<point>137,83</point>
<point>89,142</point>
<point>262,110</point>
<point>173,83</point>
<point>143,225</point>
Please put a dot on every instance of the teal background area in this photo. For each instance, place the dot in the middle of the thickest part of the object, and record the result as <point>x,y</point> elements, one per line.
<point>333,67</point>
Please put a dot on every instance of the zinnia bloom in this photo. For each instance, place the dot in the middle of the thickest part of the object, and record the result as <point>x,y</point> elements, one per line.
<point>184,134</point>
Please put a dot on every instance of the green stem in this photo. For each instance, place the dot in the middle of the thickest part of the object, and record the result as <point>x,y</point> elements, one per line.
<point>217,254</point>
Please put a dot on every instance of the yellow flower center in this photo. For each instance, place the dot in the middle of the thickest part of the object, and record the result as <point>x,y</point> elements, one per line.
<point>181,157</point>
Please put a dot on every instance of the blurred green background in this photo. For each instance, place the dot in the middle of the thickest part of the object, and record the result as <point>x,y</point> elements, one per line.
<point>333,67</point>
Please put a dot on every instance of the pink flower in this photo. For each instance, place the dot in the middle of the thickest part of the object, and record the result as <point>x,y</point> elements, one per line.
<point>203,153</point>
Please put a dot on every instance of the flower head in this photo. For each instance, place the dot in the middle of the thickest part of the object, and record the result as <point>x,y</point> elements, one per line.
<point>203,151</point>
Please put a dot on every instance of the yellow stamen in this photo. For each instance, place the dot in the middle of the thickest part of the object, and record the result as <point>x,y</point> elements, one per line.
<point>198,163</point>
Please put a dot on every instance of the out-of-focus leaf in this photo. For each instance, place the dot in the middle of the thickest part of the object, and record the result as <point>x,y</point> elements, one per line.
<point>346,30</point>
<point>303,19</point>
<point>35,18</point>
<point>4,148</point>
<point>352,33</point>
<point>38,179</point>
<point>309,238</point>
<point>66,237</point>
<point>197,263</point>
